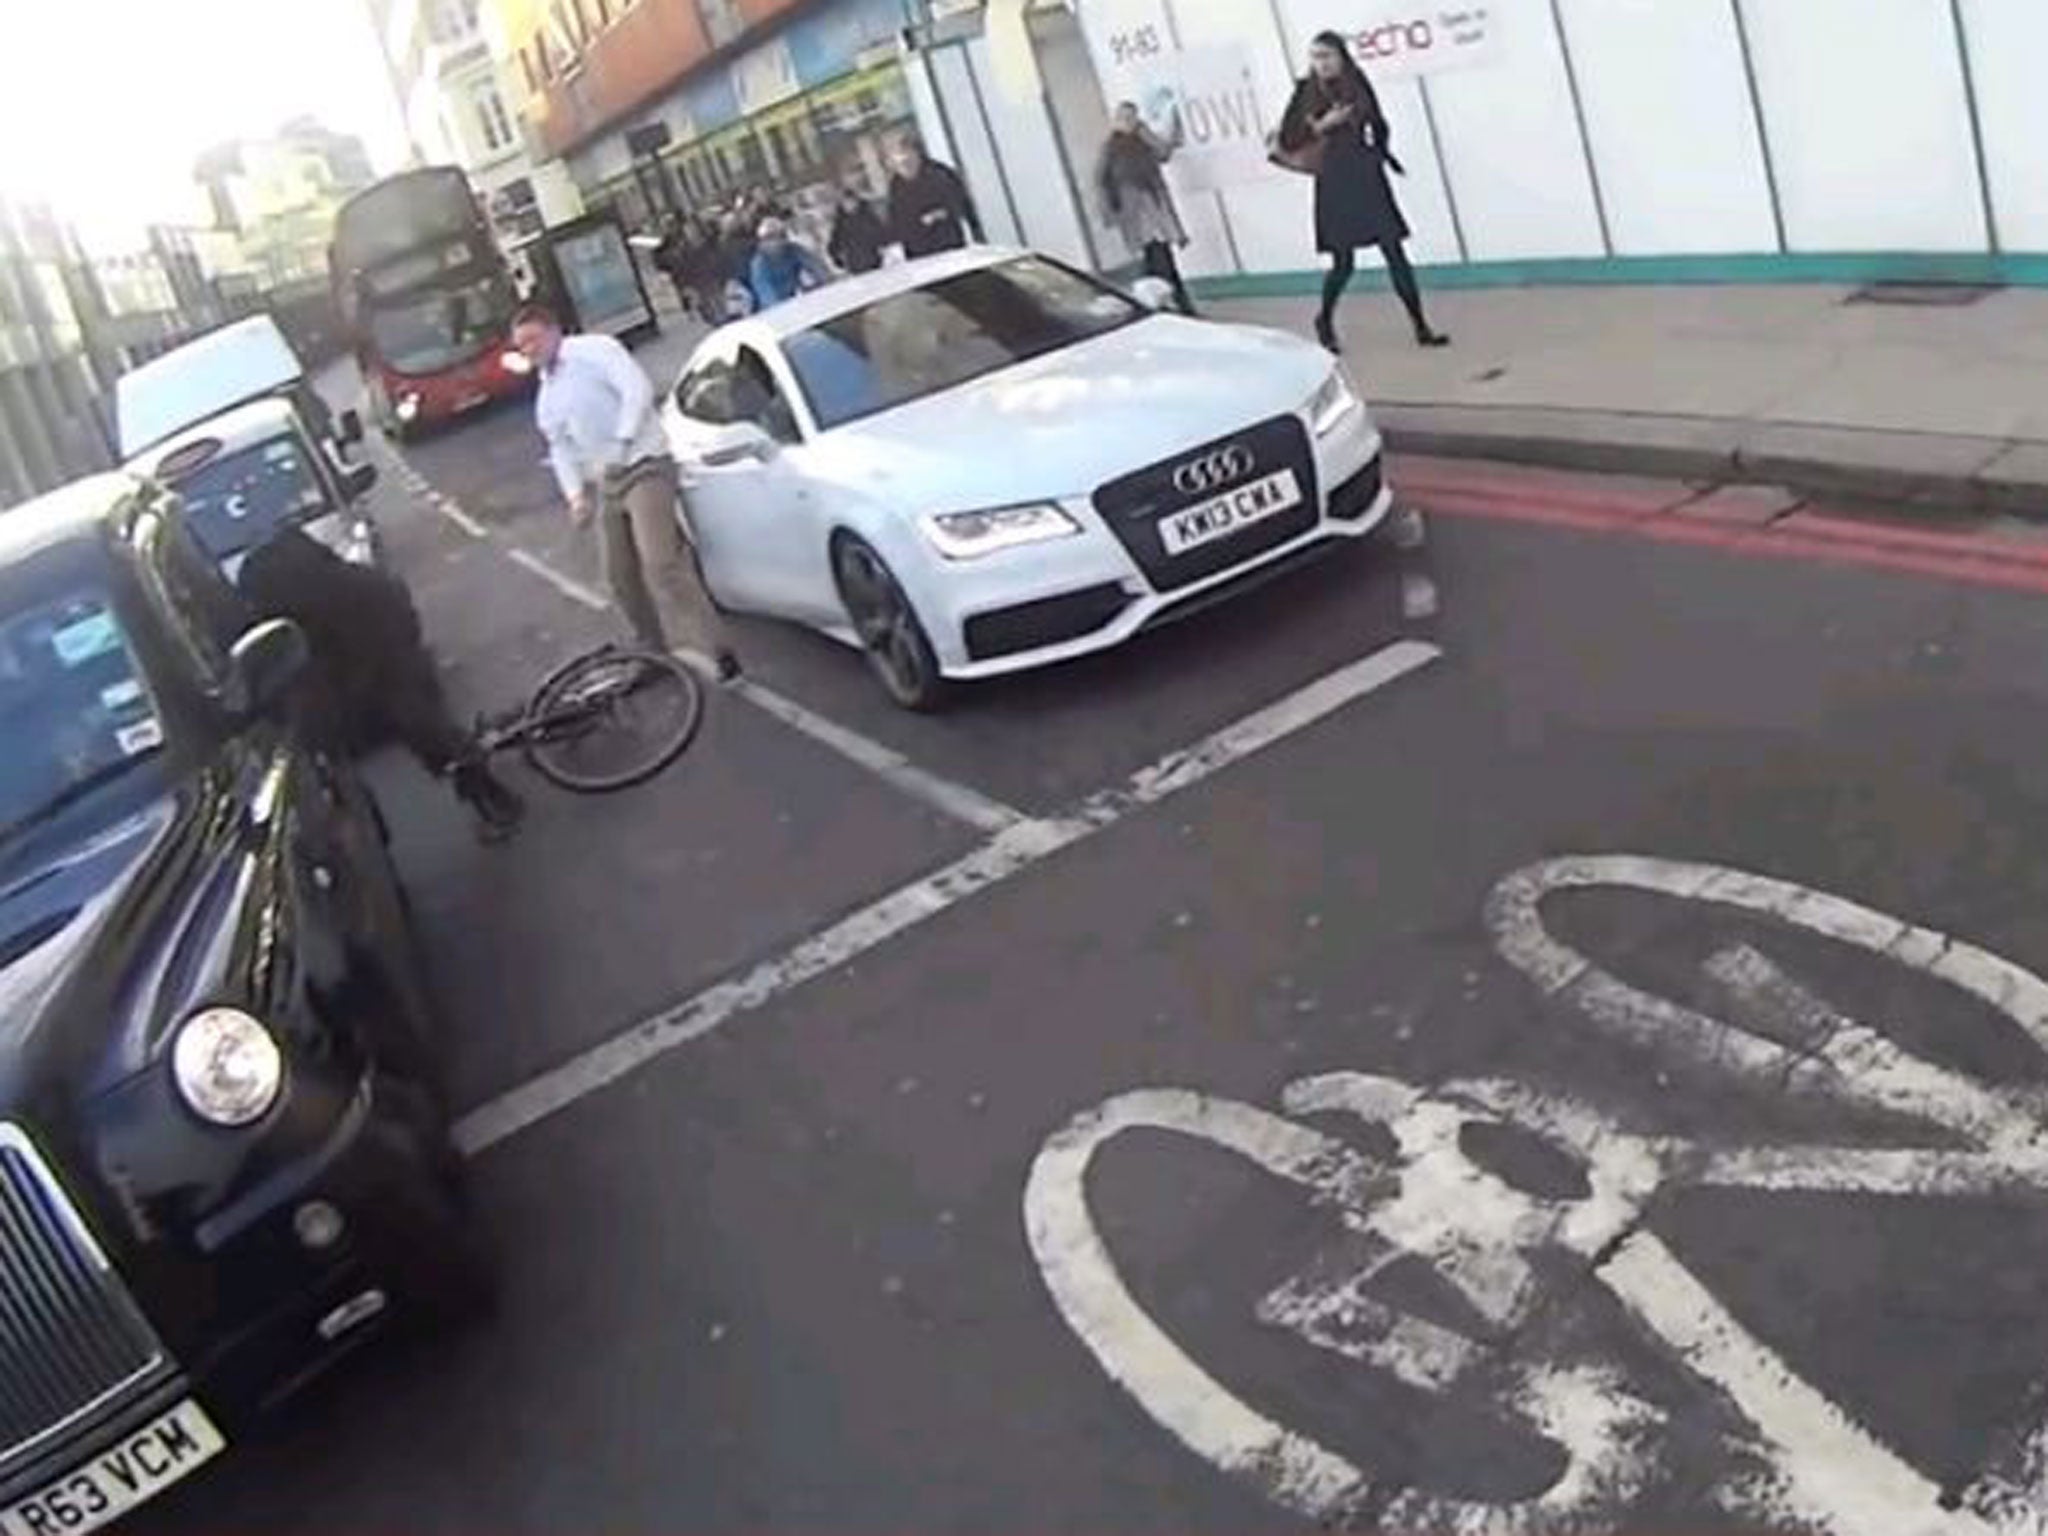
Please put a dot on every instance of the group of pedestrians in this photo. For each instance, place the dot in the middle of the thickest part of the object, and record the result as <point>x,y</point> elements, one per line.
<point>596,408</point>
<point>745,257</point>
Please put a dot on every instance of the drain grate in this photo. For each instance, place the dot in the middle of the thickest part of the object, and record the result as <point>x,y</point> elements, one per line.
<point>1925,295</point>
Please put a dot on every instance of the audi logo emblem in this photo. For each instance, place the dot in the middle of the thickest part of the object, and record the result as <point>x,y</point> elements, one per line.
<point>1214,471</point>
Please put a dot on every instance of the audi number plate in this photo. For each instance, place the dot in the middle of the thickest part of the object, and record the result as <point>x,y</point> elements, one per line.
<point>130,1472</point>
<point>1221,516</point>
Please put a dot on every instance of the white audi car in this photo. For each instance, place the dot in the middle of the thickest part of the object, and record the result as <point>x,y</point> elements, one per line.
<point>985,461</point>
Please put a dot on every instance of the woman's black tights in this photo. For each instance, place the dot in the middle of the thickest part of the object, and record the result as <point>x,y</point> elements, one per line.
<point>1160,263</point>
<point>1344,266</point>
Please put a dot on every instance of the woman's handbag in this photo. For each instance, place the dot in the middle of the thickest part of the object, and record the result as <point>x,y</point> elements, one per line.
<point>1304,160</point>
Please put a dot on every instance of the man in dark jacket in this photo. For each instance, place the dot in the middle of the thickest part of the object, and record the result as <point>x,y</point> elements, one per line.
<point>370,657</point>
<point>858,234</point>
<point>929,209</point>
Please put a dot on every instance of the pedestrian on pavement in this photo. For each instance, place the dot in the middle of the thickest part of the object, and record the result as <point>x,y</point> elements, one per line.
<point>1335,124</point>
<point>1131,182</point>
<point>700,270</point>
<point>673,257</point>
<point>371,666</point>
<point>783,266</point>
<point>858,233</point>
<point>929,209</point>
<point>596,411</point>
<point>736,265</point>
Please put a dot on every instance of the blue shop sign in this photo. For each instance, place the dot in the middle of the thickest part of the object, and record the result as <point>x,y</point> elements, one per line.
<point>828,43</point>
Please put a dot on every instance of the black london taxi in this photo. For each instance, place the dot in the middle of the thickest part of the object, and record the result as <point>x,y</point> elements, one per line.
<point>224,1158</point>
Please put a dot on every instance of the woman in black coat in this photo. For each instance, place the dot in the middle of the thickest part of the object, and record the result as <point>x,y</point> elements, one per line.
<point>1334,109</point>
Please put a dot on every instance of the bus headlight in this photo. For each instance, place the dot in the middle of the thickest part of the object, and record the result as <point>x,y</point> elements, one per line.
<point>227,1066</point>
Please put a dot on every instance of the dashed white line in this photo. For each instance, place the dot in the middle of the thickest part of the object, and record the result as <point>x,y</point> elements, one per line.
<point>452,510</point>
<point>568,586</point>
<point>955,800</point>
<point>1010,852</point>
<point>958,801</point>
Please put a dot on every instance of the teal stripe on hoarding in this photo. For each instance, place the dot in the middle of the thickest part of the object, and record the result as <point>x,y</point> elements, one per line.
<point>1832,267</point>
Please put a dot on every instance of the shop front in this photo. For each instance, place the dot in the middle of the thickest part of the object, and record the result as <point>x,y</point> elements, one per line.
<point>795,115</point>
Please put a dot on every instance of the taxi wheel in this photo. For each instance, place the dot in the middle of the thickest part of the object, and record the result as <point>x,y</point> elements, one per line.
<point>890,632</point>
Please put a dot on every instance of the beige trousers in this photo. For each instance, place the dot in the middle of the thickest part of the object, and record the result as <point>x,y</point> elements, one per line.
<point>650,566</point>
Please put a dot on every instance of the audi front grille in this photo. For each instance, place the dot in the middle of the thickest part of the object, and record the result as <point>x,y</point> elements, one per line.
<point>1134,505</point>
<point>72,1343</point>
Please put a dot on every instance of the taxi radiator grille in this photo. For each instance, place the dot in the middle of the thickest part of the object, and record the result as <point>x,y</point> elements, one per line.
<point>71,1341</point>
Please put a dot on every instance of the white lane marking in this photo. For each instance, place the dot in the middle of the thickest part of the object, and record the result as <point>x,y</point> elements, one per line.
<point>1008,853</point>
<point>452,509</point>
<point>955,800</point>
<point>948,797</point>
<point>1276,722</point>
<point>1436,1205</point>
<point>568,586</point>
<point>1832,1472</point>
<point>1800,1460</point>
<point>1852,1064</point>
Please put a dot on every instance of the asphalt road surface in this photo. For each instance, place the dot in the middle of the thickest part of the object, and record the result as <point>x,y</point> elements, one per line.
<point>1566,1061</point>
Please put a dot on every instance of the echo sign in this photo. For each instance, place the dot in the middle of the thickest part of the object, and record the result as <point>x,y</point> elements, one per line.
<point>1404,41</point>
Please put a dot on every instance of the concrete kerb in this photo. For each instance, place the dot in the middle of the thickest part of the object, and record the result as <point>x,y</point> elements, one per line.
<point>1944,473</point>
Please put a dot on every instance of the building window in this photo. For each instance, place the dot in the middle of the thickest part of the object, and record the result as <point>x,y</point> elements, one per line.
<point>453,21</point>
<point>491,116</point>
<point>568,26</point>
<point>722,20</point>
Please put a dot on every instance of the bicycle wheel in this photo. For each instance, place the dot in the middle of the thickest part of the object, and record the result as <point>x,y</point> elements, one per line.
<point>612,719</point>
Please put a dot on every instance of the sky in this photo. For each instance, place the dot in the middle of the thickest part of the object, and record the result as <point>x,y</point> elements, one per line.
<point>107,103</point>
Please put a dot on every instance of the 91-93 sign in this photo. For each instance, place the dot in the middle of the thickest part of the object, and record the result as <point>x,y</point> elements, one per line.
<point>1134,45</point>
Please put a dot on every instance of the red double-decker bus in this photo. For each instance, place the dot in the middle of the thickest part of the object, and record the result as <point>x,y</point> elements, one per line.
<point>427,299</point>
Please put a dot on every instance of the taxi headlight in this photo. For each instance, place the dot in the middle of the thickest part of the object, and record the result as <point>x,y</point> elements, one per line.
<point>970,535</point>
<point>1332,403</point>
<point>227,1066</point>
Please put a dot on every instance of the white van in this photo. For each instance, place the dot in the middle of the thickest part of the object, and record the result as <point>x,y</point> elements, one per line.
<point>231,423</point>
<point>223,369</point>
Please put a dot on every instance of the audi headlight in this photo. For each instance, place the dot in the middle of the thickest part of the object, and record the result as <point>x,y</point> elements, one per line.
<point>1332,403</point>
<point>227,1066</point>
<point>971,535</point>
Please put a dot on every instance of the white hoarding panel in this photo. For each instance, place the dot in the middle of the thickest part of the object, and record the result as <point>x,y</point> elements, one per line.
<point>1511,144</point>
<point>1865,108</point>
<point>2009,59</point>
<point>1674,138</point>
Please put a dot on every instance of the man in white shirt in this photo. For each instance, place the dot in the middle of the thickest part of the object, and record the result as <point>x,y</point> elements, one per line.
<point>596,411</point>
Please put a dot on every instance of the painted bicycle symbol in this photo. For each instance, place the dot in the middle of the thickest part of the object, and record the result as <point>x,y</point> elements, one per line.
<point>1807,1463</point>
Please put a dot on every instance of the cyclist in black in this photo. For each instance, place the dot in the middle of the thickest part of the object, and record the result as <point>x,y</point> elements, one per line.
<point>372,661</point>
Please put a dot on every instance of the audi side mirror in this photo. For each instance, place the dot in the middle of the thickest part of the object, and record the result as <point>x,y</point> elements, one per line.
<point>734,445</point>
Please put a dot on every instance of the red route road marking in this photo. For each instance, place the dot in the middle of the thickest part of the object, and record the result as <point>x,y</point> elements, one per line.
<point>1552,501</point>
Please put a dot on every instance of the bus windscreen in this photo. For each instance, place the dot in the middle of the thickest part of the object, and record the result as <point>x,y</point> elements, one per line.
<point>403,217</point>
